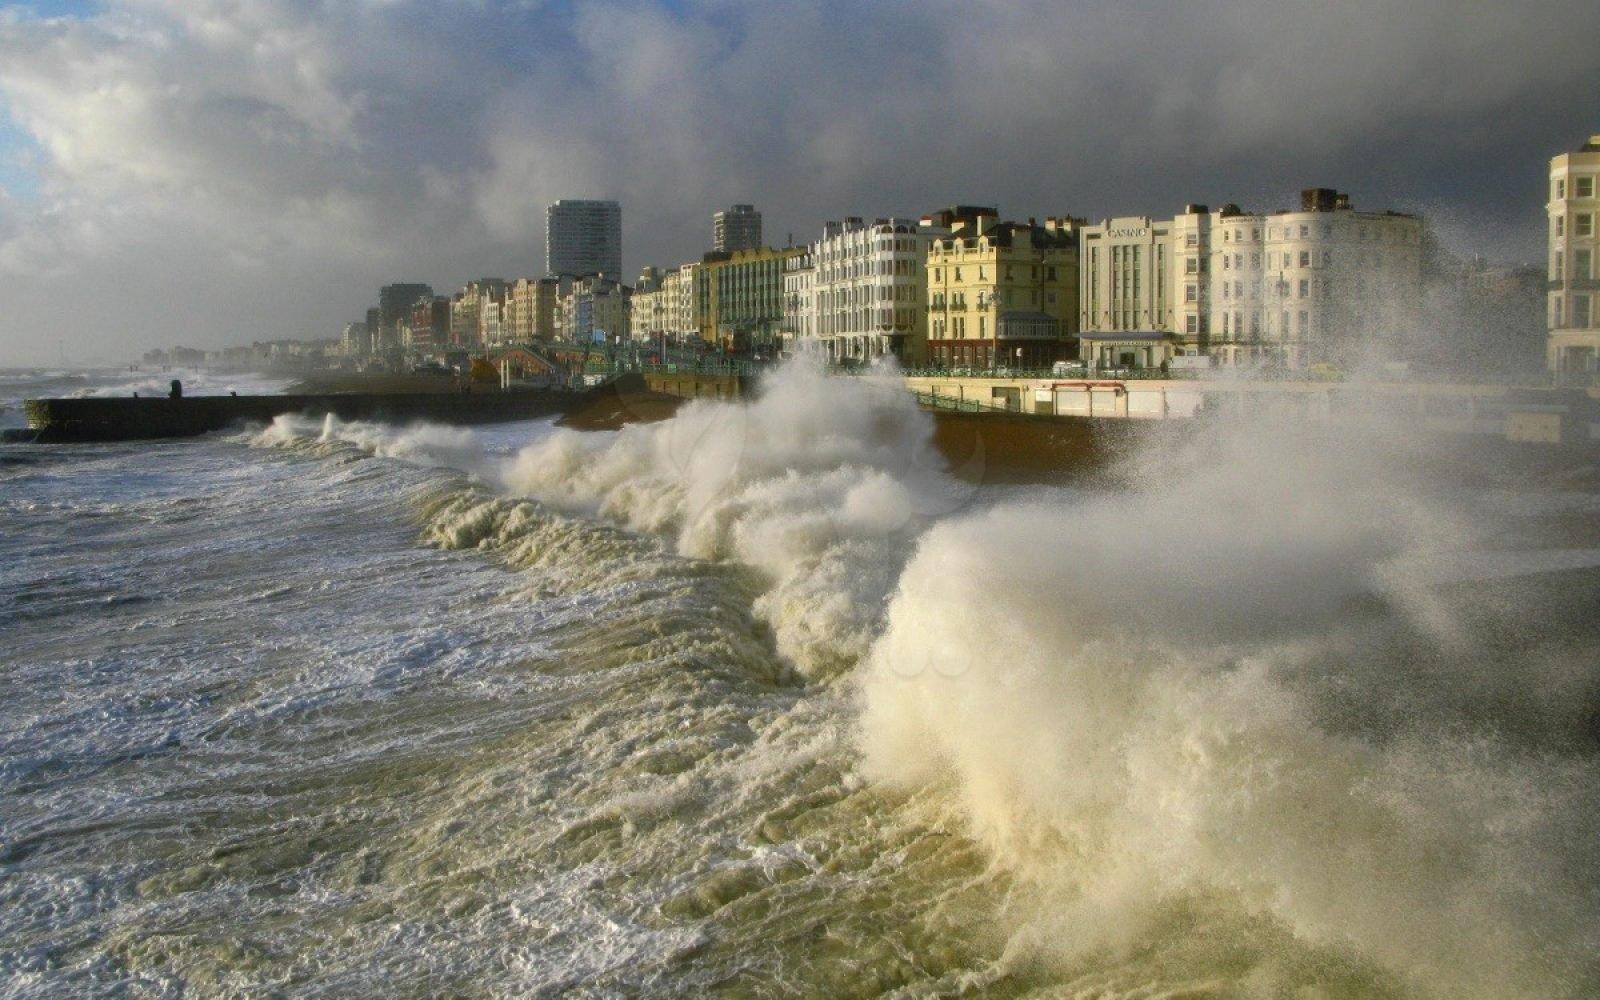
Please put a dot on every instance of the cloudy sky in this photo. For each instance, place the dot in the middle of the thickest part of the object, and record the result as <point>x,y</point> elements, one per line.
<point>212,171</point>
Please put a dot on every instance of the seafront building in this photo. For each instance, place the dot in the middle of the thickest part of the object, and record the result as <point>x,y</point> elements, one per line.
<point>427,327</point>
<point>356,341</point>
<point>737,228</point>
<point>1001,294</point>
<point>491,328</point>
<point>662,304</point>
<point>1573,346</point>
<point>647,307</point>
<point>594,310</point>
<point>467,311</point>
<point>859,292</point>
<point>583,238</point>
<point>1326,284</point>
<point>738,298</point>
<point>394,302</point>
<point>1125,301</point>
<point>530,309</point>
<point>798,330</point>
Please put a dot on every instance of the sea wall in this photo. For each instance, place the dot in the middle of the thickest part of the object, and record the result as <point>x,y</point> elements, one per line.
<point>133,418</point>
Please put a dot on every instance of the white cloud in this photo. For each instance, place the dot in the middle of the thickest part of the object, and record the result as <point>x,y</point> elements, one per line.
<point>221,170</point>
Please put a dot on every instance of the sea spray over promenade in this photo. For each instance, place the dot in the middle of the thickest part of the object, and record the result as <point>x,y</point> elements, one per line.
<point>767,703</point>
<point>1234,690</point>
<point>1237,691</point>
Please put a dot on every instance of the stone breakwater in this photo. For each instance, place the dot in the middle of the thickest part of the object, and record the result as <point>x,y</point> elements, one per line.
<point>138,418</point>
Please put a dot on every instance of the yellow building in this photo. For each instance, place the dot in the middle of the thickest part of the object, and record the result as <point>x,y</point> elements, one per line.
<point>739,298</point>
<point>1001,294</point>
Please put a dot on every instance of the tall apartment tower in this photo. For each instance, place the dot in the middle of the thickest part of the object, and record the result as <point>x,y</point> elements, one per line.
<point>738,228</point>
<point>583,237</point>
<point>1573,347</point>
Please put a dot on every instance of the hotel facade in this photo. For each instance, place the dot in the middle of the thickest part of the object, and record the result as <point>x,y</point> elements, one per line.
<point>1000,294</point>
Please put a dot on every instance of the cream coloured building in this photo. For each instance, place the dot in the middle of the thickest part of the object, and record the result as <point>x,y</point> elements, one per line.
<point>662,304</point>
<point>530,308</point>
<point>1573,347</point>
<point>1325,284</point>
<point>1124,275</point>
<point>1001,294</point>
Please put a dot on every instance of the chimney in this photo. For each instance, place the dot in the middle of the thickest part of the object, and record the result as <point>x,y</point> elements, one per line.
<point>1318,199</point>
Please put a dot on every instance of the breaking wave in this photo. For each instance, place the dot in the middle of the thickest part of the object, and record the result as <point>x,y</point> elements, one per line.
<point>1240,693</point>
<point>1239,725</point>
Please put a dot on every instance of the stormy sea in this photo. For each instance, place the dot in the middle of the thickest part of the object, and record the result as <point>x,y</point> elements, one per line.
<point>762,700</point>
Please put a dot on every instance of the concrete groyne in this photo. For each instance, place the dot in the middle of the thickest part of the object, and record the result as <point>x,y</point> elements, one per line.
<point>137,418</point>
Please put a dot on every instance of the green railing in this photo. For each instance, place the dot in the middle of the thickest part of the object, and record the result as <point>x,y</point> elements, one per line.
<point>939,401</point>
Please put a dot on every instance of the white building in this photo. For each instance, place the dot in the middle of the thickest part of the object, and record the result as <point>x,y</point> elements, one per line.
<point>1325,284</point>
<point>1573,348</point>
<point>583,238</point>
<point>868,286</point>
<point>737,228</point>
<point>799,327</point>
<point>491,326</point>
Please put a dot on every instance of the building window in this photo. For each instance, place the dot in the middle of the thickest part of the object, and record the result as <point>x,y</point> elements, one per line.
<point>1191,266</point>
<point>1305,322</point>
<point>1304,288</point>
<point>1581,262</point>
<point>1305,231</point>
<point>1188,293</point>
<point>1305,258</point>
<point>1580,312</point>
<point>1583,187</point>
<point>1194,324</point>
<point>1561,190</point>
<point>1561,226</point>
<point>1583,224</point>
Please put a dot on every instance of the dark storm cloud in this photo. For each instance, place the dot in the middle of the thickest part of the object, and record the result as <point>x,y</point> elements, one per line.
<point>215,171</point>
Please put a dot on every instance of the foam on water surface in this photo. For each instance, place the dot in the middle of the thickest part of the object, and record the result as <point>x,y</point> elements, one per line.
<point>759,700</point>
